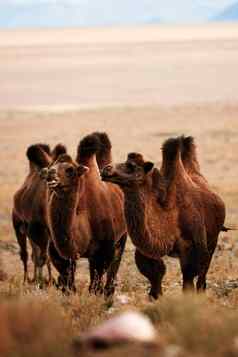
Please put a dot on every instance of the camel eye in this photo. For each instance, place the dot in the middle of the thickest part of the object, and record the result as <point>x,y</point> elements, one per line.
<point>61,159</point>
<point>70,171</point>
<point>130,166</point>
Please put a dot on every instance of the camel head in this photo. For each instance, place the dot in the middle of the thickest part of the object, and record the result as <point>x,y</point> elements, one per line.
<point>132,172</point>
<point>63,174</point>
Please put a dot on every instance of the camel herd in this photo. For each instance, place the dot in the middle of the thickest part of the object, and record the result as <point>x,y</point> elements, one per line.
<point>84,208</point>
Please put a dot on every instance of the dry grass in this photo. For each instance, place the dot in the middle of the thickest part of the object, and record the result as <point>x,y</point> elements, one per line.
<point>43,322</point>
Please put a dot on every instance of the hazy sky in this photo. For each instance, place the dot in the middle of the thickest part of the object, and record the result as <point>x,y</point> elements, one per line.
<point>162,3</point>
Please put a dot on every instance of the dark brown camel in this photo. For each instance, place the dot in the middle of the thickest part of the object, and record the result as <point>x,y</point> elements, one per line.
<point>29,214</point>
<point>168,213</point>
<point>86,215</point>
<point>212,210</point>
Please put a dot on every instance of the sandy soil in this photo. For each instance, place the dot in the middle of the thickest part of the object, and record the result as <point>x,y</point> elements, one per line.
<point>142,129</point>
<point>78,68</point>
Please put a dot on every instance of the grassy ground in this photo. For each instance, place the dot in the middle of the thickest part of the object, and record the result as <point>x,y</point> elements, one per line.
<point>43,322</point>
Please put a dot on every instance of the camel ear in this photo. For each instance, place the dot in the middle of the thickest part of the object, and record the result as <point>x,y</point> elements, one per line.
<point>148,166</point>
<point>82,169</point>
<point>44,173</point>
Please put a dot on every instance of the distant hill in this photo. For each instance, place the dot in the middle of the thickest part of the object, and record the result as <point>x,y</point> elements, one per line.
<point>228,14</point>
<point>85,13</point>
<point>72,13</point>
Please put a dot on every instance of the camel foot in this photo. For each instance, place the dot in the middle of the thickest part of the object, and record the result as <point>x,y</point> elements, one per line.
<point>31,281</point>
<point>153,296</point>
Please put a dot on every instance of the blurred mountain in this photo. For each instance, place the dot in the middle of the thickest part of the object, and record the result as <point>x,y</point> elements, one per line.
<point>73,13</point>
<point>230,13</point>
<point>84,13</point>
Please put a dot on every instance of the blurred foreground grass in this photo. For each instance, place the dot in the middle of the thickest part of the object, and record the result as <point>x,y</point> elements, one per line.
<point>44,323</point>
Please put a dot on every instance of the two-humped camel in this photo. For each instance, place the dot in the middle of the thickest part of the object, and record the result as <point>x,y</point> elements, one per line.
<point>171,211</point>
<point>86,215</point>
<point>29,214</point>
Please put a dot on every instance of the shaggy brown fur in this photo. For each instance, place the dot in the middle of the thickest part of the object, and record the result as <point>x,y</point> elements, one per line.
<point>204,213</point>
<point>86,214</point>
<point>100,144</point>
<point>29,213</point>
<point>169,212</point>
<point>153,228</point>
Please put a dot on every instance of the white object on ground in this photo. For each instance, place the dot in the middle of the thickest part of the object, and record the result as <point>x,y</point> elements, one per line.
<point>128,326</point>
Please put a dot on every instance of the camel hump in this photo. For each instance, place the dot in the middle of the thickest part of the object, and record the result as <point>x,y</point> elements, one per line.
<point>58,150</point>
<point>188,153</point>
<point>170,149</point>
<point>39,154</point>
<point>104,140</point>
<point>188,144</point>
<point>97,143</point>
<point>188,147</point>
<point>104,156</point>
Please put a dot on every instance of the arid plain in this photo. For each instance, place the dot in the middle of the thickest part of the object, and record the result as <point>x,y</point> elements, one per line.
<point>141,86</point>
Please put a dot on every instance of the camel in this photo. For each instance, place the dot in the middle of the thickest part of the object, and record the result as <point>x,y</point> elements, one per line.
<point>213,209</point>
<point>168,213</point>
<point>29,214</point>
<point>86,215</point>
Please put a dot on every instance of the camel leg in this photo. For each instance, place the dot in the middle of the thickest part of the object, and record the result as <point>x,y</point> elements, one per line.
<point>201,282</point>
<point>153,270</point>
<point>33,258</point>
<point>114,267</point>
<point>92,275</point>
<point>39,236</point>
<point>49,281</point>
<point>203,257</point>
<point>65,269</point>
<point>96,268</point>
<point>188,264</point>
<point>189,271</point>
<point>19,228</point>
<point>99,263</point>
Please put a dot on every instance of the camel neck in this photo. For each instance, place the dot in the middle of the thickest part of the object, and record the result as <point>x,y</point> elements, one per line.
<point>148,235</point>
<point>135,214</point>
<point>63,212</point>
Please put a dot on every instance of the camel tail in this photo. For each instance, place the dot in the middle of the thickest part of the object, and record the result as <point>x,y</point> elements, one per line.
<point>95,144</point>
<point>58,150</point>
<point>38,155</point>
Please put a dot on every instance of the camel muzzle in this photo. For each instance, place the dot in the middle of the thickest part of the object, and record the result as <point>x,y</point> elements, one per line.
<point>50,176</point>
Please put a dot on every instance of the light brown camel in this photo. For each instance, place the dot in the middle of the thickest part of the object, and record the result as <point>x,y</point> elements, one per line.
<point>167,213</point>
<point>29,214</point>
<point>86,215</point>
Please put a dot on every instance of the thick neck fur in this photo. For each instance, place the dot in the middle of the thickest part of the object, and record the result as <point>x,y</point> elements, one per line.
<point>145,222</point>
<point>135,213</point>
<point>63,213</point>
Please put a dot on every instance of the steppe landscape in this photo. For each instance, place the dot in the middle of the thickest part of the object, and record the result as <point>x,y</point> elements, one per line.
<point>141,86</point>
